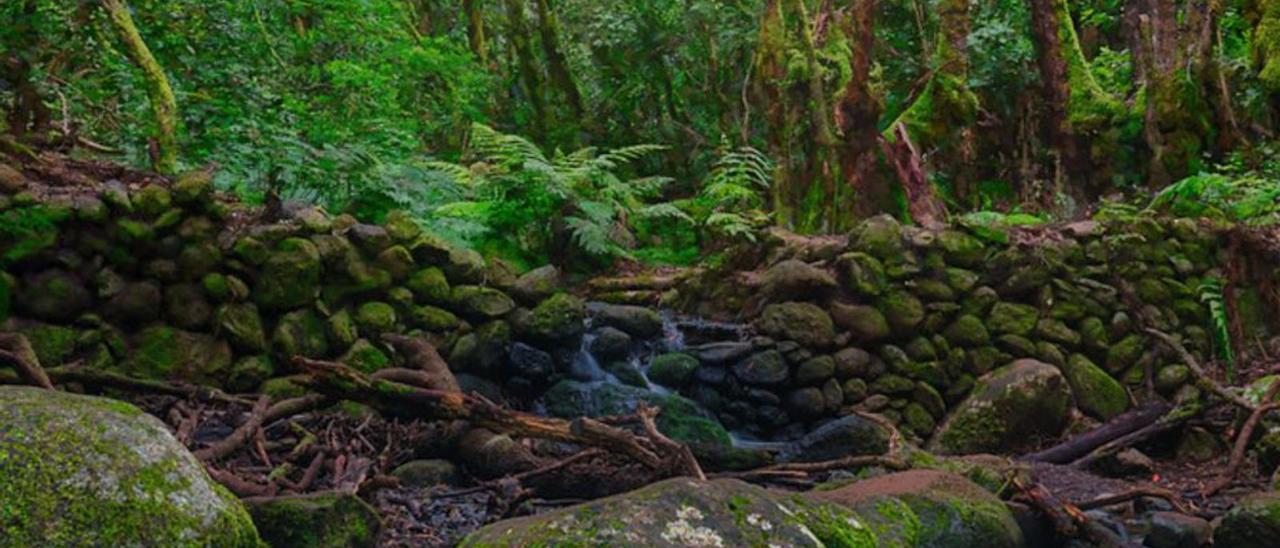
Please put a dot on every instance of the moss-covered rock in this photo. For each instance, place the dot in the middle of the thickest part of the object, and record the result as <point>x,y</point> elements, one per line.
<point>680,418</point>
<point>162,352</point>
<point>152,200</point>
<point>673,369</point>
<point>375,318</point>
<point>429,286</point>
<point>1008,407</point>
<point>290,276</point>
<point>637,321</point>
<point>54,295</point>
<point>300,333</point>
<point>52,344</point>
<point>250,372</point>
<point>804,323</point>
<point>796,280</point>
<point>862,273</point>
<point>903,311</point>
<point>435,319</point>
<point>1254,522</point>
<point>763,368</point>
<point>365,356</point>
<point>84,471</point>
<point>241,325</point>
<point>1096,392</point>
<point>536,285</point>
<point>1055,331</point>
<point>967,331</point>
<point>558,319</point>
<point>1012,318</point>
<point>881,236</point>
<point>928,508</point>
<point>341,329</point>
<point>322,520</point>
<point>864,323</point>
<point>1125,353</point>
<point>397,261</point>
<point>478,302</point>
<point>846,436</point>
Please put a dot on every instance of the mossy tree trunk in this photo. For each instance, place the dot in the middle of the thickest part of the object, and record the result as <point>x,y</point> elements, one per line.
<point>557,65</point>
<point>526,66</point>
<point>1046,25</point>
<point>857,115</point>
<point>474,10</point>
<point>164,107</point>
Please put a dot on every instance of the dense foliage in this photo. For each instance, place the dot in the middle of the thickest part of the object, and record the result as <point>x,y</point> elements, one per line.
<point>652,129</point>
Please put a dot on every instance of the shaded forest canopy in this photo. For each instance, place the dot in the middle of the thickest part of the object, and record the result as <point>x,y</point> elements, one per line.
<point>723,116</point>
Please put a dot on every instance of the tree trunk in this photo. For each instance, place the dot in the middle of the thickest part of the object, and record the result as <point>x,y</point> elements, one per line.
<point>857,115</point>
<point>475,30</point>
<point>1046,27</point>
<point>163,105</point>
<point>922,202</point>
<point>519,29</point>
<point>28,112</point>
<point>557,65</point>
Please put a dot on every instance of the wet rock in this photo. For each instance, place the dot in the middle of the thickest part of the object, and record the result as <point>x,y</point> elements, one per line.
<point>806,403</point>
<point>672,370</point>
<point>610,344</point>
<point>764,368</point>
<point>846,436</point>
<point>531,363</point>
<point>1007,408</point>
<point>626,373</point>
<point>318,519</point>
<point>796,280</point>
<point>637,321</point>
<point>85,471</point>
<point>719,353</point>
<point>804,323</point>
<point>680,418</point>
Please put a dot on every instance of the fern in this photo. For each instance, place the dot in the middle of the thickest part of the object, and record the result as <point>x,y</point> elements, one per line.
<point>1219,323</point>
<point>733,194</point>
<point>1250,199</point>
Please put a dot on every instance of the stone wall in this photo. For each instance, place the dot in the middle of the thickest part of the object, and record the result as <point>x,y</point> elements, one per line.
<point>903,321</point>
<point>177,283</point>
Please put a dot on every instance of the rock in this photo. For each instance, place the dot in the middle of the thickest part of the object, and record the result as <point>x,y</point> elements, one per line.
<point>371,239</point>
<point>465,265</point>
<point>317,519</point>
<point>928,508</point>
<point>290,276</point>
<point>1012,318</point>
<point>846,436</point>
<point>865,323</point>
<point>161,352</point>
<point>796,280</point>
<point>680,418</point>
<point>152,200</point>
<point>627,374</point>
<point>366,357</point>
<point>856,362</point>
<point>241,325</point>
<point>862,273</point>
<point>1008,407</point>
<point>804,323</point>
<point>1174,530</point>
<point>86,471</point>
<point>1129,463</point>
<point>397,261</point>
<point>536,285</point>
<point>1198,445</point>
<point>250,372</point>
<point>12,181</point>
<point>428,473</point>
<point>136,304</point>
<point>52,344</point>
<point>186,307</point>
<point>1056,331</point>
<point>433,319</point>
<point>610,344</point>
<point>806,403</point>
<point>673,369</point>
<point>430,286</point>
<point>375,318</point>
<point>401,226</point>
<point>53,296</point>
<point>1125,353</point>
<point>300,333</point>
<point>478,302</point>
<point>1254,522</point>
<point>482,351</point>
<point>902,310</point>
<point>684,512</point>
<point>720,353</point>
<point>815,371</point>
<point>880,236</point>
<point>967,331</point>
<point>556,320</point>
<point>765,368</point>
<point>1096,393</point>
<point>637,321</point>
<point>531,363</point>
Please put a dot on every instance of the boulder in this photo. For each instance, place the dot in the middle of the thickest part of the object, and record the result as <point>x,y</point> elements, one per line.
<point>86,471</point>
<point>846,436</point>
<point>374,318</point>
<point>1008,408</point>
<point>317,519</point>
<point>1012,318</point>
<point>300,333</point>
<point>967,331</point>
<point>637,321</point>
<point>1254,522</point>
<point>53,296</point>
<point>928,508</point>
<point>241,325</point>
<point>804,323</point>
<point>429,285</point>
<point>1097,393</point>
<point>478,302</point>
<point>796,280</point>
<point>290,276</point>
<point>610,344</point>
<point>1174,530</point>
<point>557,320</point>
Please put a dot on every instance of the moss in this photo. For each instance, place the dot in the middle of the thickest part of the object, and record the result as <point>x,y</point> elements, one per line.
<point>1096,392</point>
<point>375,318</point>
<point>319,521</point>
<point>53,344</point>
<point>430,286</point>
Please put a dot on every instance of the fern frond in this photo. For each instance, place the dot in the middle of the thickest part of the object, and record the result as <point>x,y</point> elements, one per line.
<point>663,211</point>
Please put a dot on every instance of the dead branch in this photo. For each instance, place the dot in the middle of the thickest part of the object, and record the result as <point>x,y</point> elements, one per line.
<point>684,460</point>
<point>16,352</point>
<point>1117,427</point>
<point>1242,441</point>
<point>1173,419</point>
<point>804,469</point>
<point>77,373</point>
<point>1068,520</point>
<point>1135,493</point>
<point>241,435</point>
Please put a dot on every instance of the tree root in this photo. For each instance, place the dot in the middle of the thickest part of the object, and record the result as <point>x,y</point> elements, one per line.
<point>240,436</point>
<point>16,352</point>
<point>1242,441</point>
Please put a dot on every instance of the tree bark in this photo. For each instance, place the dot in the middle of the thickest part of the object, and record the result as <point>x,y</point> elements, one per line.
<point>475,30</point>
<point>519,29</point>
<point>857,115</point>
<point>557,65</point>
<point>1055,84</point>
<point>164,107</point>
<point>922,202</point>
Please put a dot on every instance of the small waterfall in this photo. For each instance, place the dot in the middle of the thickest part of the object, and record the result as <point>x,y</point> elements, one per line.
<point>584,366</point>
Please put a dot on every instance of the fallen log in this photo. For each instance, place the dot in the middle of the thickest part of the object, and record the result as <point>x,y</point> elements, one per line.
<point>1173,419</point>
<point>394,399</point>
<point>1117,427</point>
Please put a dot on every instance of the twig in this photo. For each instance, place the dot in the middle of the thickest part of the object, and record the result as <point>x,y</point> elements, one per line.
<point>241,435</point>
<point>1242,441</point>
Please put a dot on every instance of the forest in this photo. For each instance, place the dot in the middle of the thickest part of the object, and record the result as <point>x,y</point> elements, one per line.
<point>640,273</point>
